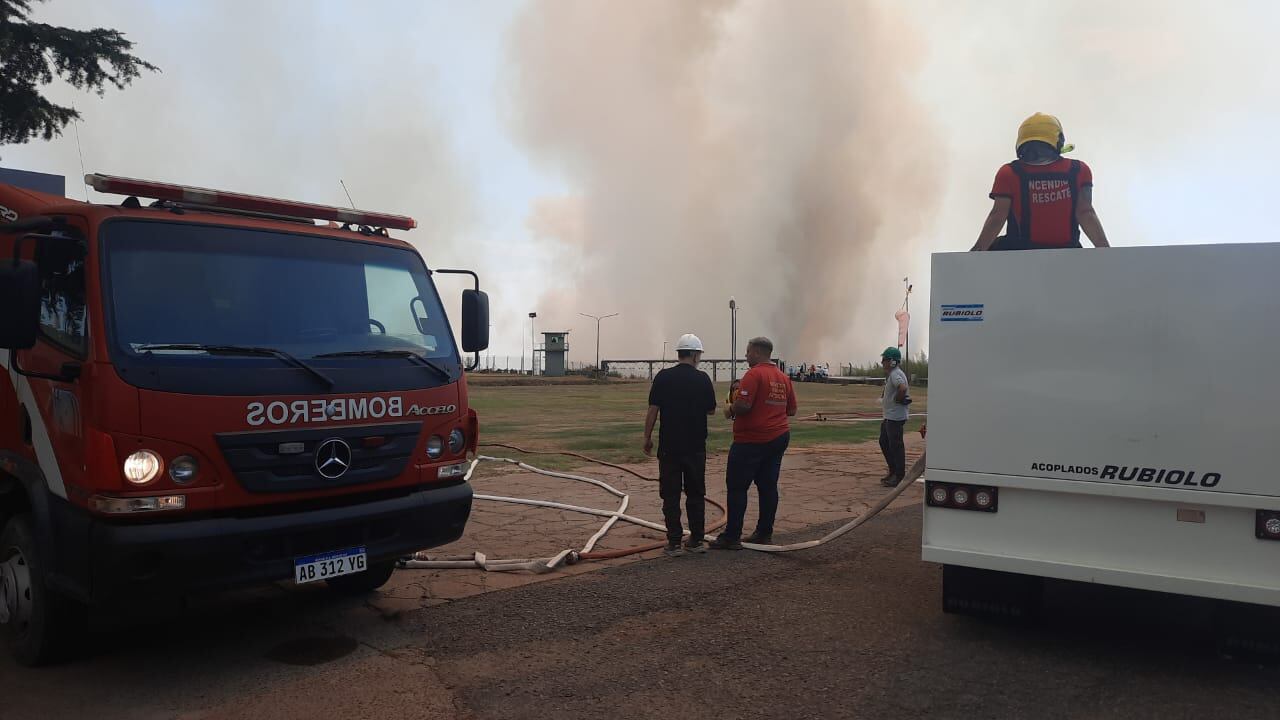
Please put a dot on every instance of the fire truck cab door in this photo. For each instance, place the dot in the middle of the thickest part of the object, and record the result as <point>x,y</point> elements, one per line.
<point>49,421</point>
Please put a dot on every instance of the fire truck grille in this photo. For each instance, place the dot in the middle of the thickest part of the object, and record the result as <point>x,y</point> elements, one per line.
<point>300,460</point>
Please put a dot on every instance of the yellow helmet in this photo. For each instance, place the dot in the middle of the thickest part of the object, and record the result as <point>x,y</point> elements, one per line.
<point>1044,128</point>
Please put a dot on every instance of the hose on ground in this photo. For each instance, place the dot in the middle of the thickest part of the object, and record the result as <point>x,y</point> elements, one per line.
<point>850,417</point>
<point>587,553</point>
<point>571,454</point>
<point>421,561</point>
<point>917,469</point>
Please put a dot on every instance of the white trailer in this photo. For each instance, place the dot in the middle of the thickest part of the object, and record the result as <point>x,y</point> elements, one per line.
<point>1105,416</point>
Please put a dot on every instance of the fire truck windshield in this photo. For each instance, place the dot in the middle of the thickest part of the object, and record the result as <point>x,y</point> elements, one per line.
<point>339,305</point>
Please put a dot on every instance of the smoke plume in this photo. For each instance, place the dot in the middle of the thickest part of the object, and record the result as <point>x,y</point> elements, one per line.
<point>764,150</point>
<point>274,99</point>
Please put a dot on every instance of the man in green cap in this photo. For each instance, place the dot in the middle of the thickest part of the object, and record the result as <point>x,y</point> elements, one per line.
<point>895,416</point>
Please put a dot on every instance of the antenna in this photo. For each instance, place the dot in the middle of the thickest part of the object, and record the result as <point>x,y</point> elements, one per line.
<point>81,152</point>
<point>348,192</point>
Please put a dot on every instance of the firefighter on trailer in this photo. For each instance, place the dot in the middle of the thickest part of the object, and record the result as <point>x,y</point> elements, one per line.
<point>1043,198</point>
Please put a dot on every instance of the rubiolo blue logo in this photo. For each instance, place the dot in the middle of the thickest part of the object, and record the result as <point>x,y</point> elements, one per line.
<point>962,313</point>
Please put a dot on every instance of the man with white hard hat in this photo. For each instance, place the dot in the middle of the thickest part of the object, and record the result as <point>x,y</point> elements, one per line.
<point>682,396</point>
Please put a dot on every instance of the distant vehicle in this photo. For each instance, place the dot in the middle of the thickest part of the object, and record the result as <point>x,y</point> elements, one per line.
<point>809,373</point>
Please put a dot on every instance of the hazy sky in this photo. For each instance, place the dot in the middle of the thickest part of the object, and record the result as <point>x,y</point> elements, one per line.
<point>654,158</point>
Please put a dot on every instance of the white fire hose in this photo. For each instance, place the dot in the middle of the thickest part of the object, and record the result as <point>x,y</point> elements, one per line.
<point>422,561</point>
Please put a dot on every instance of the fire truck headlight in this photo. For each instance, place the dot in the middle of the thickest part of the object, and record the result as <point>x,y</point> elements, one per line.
<point>435,447</point>
<point>183,469</point>
<point>457,441</point>
<point>142,467</point>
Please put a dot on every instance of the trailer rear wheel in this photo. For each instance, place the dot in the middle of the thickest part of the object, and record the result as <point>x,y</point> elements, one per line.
<point>37,624</point>
<point>990,593</point>
<point>366,582</point>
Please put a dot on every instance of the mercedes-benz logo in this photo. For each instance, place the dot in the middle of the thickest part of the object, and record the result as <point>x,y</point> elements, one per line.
<point>333,458</point>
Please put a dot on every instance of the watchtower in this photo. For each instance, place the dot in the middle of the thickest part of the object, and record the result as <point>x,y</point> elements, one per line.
<point>554,347</point>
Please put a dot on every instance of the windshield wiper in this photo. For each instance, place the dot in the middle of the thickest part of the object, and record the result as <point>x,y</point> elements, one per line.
<point>239,350</point>
<point>406,354</point>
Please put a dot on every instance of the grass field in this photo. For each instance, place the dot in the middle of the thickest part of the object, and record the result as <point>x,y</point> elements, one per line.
<point>607,420</point>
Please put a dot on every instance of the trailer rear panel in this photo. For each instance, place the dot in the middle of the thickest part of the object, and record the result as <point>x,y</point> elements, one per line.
<point>1121,402</point>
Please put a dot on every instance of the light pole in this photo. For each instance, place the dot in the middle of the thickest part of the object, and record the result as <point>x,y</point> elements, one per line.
<point>664,352</point>
<point>598,318</point>
<point>533,346</point>
<point>906,336</point>
<point>733,340</point>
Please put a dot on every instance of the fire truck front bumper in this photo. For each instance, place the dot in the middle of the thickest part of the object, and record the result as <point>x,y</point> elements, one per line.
<point>184,557</point>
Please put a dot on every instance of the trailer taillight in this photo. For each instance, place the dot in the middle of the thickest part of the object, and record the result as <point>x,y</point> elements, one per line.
<point>1267,525</point>
<point>962,497</point>
<point>246,203</point>
<point>984,498</point>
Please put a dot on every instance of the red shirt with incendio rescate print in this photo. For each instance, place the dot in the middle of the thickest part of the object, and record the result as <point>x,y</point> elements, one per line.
<point>772,399</point>
<point>1051,198</point>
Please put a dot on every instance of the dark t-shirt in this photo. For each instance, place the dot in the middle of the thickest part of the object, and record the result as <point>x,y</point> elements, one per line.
<point>684,396</point>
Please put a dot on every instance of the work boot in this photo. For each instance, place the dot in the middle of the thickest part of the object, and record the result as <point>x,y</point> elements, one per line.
<point>758,539</point>
<point>673,549</point>
<point>890,481</point>
<point>723,543</point>
<point>695,546</point>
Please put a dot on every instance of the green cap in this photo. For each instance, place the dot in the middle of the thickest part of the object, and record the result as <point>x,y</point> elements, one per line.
<point>892,353</point>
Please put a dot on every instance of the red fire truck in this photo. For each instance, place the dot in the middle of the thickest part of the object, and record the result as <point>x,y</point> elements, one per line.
<point>203,390</point>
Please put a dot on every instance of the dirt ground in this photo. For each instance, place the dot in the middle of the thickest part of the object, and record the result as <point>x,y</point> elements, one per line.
<point>818,486</point>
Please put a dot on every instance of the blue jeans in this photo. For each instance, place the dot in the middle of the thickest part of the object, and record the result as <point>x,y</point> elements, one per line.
<point>891,445</point>
<point>757,463</point>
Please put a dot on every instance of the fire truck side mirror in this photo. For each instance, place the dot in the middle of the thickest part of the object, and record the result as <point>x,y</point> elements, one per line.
<point>19,304</point>
<point>475,321</point>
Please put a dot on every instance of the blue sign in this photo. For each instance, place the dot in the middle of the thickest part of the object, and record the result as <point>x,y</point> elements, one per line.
<point>962,313</point>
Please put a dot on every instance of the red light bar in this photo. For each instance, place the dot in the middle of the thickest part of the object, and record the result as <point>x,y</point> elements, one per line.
<point>239,201</point>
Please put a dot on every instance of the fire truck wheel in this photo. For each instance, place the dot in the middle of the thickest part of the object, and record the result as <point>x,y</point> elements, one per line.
<point>366,582</point>
<point>37,624</point>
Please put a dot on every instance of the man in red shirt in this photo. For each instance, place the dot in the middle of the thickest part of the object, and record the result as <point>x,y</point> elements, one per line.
<point>761,433</point>
<point>1044,198</point>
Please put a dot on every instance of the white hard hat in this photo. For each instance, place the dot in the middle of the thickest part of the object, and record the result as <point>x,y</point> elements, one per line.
<point>689,341</point>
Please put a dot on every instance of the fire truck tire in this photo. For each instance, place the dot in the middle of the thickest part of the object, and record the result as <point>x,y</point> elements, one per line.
<point>38,625</point>
<point>366,582</point>
<point>990,593</point>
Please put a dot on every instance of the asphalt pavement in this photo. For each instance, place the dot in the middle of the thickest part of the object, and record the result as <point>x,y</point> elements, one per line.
<point>853,629</point>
